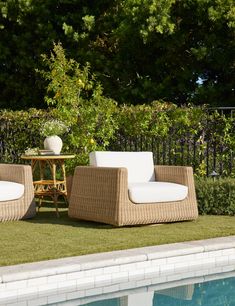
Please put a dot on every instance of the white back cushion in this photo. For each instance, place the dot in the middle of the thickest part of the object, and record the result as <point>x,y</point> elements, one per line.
<point>139,165</point>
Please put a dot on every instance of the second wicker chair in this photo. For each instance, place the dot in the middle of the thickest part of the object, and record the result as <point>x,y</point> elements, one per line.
<point>104,192</point>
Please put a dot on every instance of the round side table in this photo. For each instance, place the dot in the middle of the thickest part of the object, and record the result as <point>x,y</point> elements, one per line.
<point>49,187</point>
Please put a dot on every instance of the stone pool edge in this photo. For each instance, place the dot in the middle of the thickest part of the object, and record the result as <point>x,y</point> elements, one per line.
<point>87,275</point>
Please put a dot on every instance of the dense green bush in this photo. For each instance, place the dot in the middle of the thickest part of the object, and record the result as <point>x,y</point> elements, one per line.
<point>216,197</point>
<point>177,135</point>
<point>20,130</point>
<point>159,118</point>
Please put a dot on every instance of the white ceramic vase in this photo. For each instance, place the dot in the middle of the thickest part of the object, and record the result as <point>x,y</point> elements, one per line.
<point>53,143</point>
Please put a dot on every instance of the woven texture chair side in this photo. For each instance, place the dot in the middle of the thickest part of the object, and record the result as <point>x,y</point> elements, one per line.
<point>101,194</point>
<point>95,194</point>
<point>25,206</point>
<point>180,175</point>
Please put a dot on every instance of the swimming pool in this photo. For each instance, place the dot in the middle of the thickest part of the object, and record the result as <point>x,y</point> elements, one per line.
<point>115,275</point>
<point>217,292</point>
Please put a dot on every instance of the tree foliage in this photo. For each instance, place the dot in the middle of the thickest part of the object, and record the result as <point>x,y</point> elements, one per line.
<point>175,50</point>
<point>77,99</point>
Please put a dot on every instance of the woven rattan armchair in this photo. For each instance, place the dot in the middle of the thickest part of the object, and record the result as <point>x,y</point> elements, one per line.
<point>101,194</point>
<point>24,207</point>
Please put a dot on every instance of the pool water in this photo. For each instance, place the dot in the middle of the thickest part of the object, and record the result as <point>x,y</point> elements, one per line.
<point>213,293</point>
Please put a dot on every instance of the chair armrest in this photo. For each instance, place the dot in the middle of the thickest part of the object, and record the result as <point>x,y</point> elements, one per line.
<point>21,174</point>
<point>100,181</point>
<point>174,174</point>
<point>98,193</point>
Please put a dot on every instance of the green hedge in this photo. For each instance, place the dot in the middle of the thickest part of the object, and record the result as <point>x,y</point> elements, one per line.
<point>216,197</point>
<point>19,130</point>
<point>177,135</point>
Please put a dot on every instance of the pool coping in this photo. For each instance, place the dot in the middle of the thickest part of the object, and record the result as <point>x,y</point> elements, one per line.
<point>92,272</point>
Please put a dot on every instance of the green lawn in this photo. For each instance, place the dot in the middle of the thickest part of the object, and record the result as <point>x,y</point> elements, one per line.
<point>47,237</point>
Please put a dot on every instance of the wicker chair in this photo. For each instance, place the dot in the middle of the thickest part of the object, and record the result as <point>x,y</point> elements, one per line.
<point>24,207</point>
<point>101,194</point>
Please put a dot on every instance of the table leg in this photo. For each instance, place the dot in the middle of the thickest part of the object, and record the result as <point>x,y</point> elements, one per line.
<point>40,202</point>
<point>33,165</point>
<point>55,191</point>
<point>42,165</point>
<point>62,165</point>
<point>55,201</point>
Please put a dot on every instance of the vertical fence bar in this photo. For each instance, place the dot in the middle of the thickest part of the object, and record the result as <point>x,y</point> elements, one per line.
<point>194,152</point>
<point>158,150</point>
<point>164,151</point>
<point>182,151</point>
<point>221,164</point>
<point>207,157</point>
<point>141,143</point>
<point>231,162</point>
<point>188,149</point>
<point>169,151</point>
<point>153,149</point>
<point>125,143</point>
<point>214,156</point>
<point>175,153</point>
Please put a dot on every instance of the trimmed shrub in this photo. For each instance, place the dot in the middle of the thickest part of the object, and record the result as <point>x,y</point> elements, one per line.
<point>20,131</point>
<point>216,197</point>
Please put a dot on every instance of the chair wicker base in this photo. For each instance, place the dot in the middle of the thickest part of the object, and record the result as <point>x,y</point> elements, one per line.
<point>101,194</point>
<point>17,210</point>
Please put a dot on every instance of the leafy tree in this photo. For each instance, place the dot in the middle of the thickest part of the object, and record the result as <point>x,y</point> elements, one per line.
<point>140,50</point>
<point>174,50</point>
<point>28,29</point>
<point>78,100</point>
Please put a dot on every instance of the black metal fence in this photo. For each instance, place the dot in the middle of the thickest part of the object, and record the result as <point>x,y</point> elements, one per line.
<point>205,152</point>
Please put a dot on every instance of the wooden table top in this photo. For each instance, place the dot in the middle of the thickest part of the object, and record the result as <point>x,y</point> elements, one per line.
<point>46,157</point>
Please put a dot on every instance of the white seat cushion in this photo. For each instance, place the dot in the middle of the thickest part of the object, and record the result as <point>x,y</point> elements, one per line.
<point>154,192</point>
<point>139,165</point>
<point>10,191</point>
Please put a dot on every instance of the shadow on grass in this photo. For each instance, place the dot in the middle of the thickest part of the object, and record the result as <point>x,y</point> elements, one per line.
<point>47,215</point>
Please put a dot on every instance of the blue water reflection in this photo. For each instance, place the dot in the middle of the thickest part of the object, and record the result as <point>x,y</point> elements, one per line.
<point>213,293</point>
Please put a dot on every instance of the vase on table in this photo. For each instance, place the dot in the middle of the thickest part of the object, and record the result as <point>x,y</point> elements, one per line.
<point>53,143</point>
